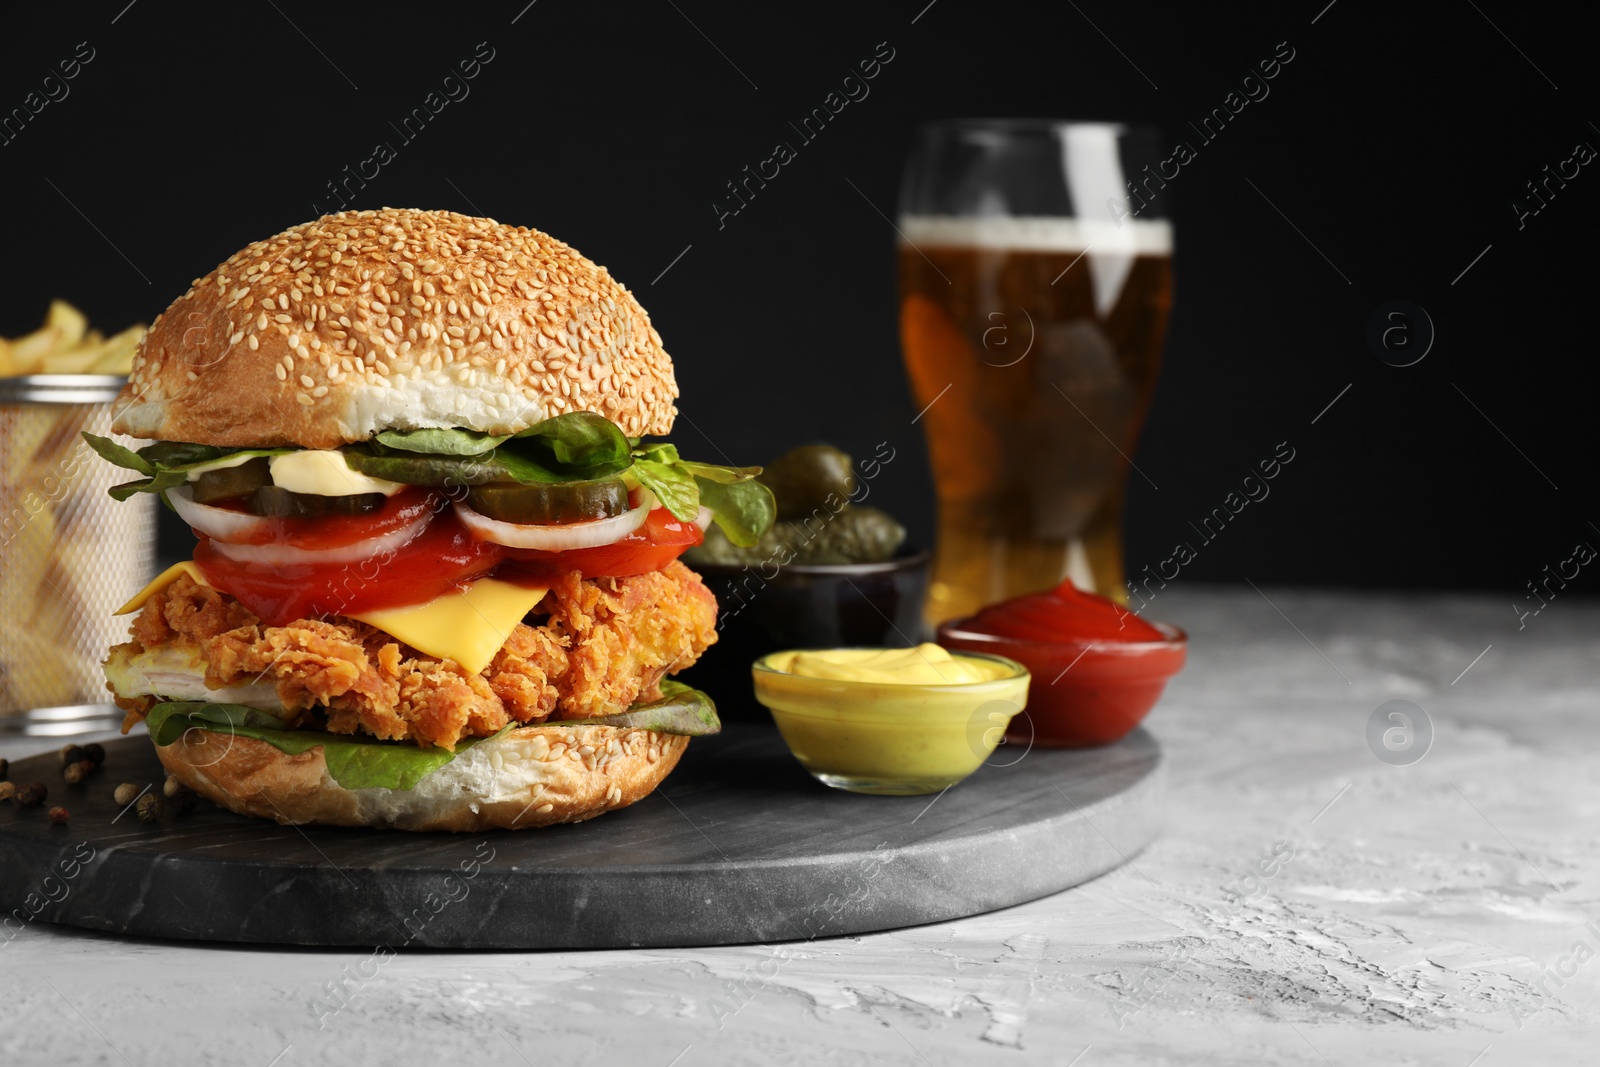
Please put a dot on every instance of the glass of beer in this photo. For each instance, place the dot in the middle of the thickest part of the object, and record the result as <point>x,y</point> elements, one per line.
<point>1035,285</point>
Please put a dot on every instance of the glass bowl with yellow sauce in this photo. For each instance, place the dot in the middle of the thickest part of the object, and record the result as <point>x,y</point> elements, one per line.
<point>897,721</point>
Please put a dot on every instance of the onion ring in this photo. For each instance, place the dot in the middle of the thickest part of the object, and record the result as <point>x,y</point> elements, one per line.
<point>556,538</point>
<point>219,524</point>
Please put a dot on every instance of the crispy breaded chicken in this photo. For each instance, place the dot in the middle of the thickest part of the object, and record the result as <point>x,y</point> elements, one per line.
<point>591,647</point>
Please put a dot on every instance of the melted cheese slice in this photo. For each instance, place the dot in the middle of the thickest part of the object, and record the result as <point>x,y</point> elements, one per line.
<point>468,626</point>
<point>161,581</point>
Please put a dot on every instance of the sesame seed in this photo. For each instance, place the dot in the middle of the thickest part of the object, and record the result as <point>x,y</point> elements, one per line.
<point>308,381</point>
<point>481,291</point>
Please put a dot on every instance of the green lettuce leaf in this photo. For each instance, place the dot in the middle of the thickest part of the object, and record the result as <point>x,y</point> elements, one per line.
<point>573,447</point>
<point>682,710</point>
<point>165,464</point>
<point>355,763</point>
<point>675,489</point>
<point>744,510</point>
<point>119,456</point>
<point>660,452</point>
<point>367,763</point>
<point>576,446</point>
<point>581,441</point>
<point>180,455</point>
<point>441,442</point>
<point>500,464</point>
<point>739,504</point>
<point>526,469</point>
<point>162,481</point>
<point>721,475</point>
<point>415,468</point>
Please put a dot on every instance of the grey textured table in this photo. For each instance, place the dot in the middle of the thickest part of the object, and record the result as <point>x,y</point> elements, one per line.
<point>1307,903</point>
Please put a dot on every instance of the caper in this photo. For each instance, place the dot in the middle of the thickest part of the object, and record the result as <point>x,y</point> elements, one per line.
<point>855,535</point>
<point>810,477</point>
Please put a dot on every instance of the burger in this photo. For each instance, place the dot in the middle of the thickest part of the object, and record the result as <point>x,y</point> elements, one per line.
<point>436,584</point>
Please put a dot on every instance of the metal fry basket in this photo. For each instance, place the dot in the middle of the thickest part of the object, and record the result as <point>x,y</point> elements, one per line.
<point>69,554</point>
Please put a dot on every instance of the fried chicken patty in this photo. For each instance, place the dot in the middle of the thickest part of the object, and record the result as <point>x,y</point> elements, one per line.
<point>590,647</point>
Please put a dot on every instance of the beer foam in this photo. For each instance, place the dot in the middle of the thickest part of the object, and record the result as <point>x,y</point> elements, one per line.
<point>1033,233</point>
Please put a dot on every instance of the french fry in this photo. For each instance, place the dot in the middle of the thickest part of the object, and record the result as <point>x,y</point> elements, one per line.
<point>64,327</point>
<point>55,595</point>
<point>25,431</point>
<point>27,559</point>
<point>66,345</point>
<point>37,673</point>
<point>69,320</point>
<point>72,360</point>
<point>116,354</point>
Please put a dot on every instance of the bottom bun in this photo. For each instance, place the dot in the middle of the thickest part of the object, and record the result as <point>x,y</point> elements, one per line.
<point>529,776</point>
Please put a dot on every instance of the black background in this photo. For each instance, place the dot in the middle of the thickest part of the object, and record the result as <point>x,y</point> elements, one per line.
<point>1394,141</point>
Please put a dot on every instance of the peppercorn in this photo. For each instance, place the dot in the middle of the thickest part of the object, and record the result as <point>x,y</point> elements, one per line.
<point>125,793</point>
<point>95,753</point>
<point>77,772</point>
<point>149,807</point>
<point>31,795</point>
<point>5,765</point>
<point>7,790</point>
<point>183,801</point>
<point>70,754</point>
<point>58,815</point>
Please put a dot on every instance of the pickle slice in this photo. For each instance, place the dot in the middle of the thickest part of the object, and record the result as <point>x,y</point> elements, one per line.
<point>225,483</point>
<point>273,502</point>
<point>556,502</point>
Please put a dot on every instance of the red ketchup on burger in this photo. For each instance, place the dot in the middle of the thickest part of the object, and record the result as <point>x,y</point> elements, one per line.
<point>1097,667</point>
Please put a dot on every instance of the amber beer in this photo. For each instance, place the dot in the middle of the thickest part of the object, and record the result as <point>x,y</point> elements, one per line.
<point>1034,345</point>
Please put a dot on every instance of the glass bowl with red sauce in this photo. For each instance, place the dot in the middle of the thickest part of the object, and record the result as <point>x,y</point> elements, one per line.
<point>1097,668</point>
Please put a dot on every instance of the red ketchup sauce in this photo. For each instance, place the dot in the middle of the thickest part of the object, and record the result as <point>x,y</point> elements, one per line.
<point>1097,667</point>
<point>1063,614</point>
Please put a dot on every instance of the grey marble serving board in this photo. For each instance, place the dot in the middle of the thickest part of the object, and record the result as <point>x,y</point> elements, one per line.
<point>739,845</point>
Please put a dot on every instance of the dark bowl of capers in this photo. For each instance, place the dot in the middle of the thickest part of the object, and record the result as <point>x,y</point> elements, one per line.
<point>829,574</point>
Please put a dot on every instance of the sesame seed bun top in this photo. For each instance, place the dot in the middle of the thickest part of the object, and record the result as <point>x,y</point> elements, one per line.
<point>396,319</point>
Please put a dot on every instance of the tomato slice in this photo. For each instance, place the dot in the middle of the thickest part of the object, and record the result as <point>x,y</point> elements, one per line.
<point>442,557</point>
<point>333,531</point>
<point>662,539</point>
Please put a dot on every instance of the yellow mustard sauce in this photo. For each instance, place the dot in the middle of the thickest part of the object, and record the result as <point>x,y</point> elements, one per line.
<point>890,720</point>
<point>926,664</point>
